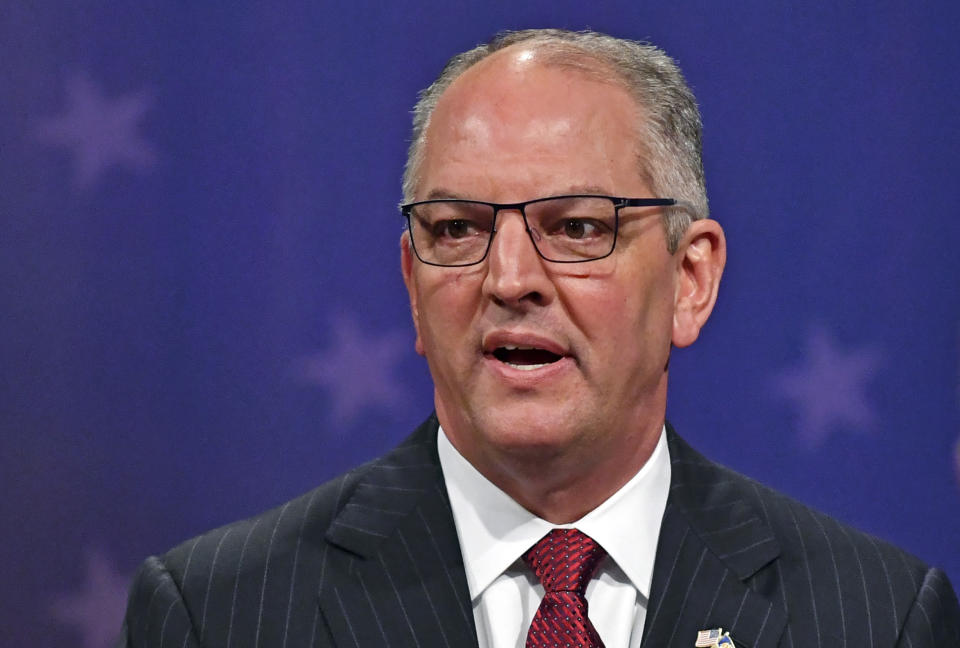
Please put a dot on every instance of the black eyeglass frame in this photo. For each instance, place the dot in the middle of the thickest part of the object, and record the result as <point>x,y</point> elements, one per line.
<point>619,203</point>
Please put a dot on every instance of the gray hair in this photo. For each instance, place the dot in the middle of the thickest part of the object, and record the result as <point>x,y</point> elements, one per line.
<point>670,131</point>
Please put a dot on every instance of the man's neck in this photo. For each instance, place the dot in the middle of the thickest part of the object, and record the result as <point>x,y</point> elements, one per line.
<point>563,485</point>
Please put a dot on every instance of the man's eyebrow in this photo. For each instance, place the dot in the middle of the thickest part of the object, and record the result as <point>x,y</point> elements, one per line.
<point>587,189</point>
<point>441,193</point>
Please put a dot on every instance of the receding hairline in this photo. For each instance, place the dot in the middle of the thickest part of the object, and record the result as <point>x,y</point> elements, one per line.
<point>564,55</point>
<point>556,54</point>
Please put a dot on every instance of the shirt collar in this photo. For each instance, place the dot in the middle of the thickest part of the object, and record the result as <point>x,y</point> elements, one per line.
<point>494,530</point>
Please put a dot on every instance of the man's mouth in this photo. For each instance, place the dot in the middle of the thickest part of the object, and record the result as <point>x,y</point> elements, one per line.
<point>525,358</point>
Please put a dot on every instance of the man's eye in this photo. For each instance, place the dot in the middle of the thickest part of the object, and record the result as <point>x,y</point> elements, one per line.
<point>455,229</point>
<point>579,228</point>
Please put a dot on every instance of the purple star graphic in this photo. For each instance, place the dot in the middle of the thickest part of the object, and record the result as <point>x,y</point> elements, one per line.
<point>829,388</point>
<point>357,369</point>
<point>100,131</point>
<point>96,610</point>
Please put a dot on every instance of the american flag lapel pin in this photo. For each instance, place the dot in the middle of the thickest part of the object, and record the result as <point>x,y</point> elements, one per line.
<point>714,638</point>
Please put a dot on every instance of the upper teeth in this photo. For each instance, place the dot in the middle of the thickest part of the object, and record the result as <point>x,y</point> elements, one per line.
<point>509,347</point>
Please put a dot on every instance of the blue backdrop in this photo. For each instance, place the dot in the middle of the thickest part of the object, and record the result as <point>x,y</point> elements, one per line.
<point>202,307</point>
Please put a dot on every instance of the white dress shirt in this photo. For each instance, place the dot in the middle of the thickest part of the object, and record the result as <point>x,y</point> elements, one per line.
<point>495,531</point>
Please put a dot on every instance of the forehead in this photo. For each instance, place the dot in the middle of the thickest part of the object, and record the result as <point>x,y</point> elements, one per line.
<point>518,118</point>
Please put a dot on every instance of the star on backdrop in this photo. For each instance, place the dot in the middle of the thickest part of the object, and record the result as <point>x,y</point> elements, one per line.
<point>358,369</point>
<point>100,131</point>
<point>96,609</point>
<point>829,388</point>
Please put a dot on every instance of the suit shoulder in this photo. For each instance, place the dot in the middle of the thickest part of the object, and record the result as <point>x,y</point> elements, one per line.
<point>279,537</point>
<point>856,575</point>
<point>247,575</point>
<point>266,536</point>
<point>806,531</point>
<point>832,581</point>
<point>806,534</point>
<point>812,546</point>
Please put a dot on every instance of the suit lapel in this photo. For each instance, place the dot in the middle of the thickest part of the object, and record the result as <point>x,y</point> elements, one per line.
<point>394,572</point>
<point>712,547</point>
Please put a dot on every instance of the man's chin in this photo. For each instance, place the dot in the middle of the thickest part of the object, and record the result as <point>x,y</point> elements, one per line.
<point>529,431</point>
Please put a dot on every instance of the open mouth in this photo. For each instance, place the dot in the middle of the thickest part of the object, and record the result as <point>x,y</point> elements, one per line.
<point>525,358</point>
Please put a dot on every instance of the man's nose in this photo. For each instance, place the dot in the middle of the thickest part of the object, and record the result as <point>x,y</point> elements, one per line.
<point>516,274</point>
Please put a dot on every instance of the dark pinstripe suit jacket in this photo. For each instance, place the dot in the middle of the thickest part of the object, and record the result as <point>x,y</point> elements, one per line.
<point>372,559</point>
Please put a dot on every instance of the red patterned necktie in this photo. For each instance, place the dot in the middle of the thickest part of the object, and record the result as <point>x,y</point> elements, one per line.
<point>564,560</point>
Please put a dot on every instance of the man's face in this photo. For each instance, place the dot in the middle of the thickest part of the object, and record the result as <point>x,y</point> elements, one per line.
<point>510,130</point>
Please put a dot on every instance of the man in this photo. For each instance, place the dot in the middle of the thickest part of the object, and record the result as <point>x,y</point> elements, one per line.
<point>557,248</point>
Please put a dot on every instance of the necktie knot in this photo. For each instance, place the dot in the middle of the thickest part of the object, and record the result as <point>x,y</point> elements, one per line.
<point>565,560</point>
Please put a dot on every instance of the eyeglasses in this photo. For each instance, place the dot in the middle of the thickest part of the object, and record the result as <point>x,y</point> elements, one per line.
<point>564,229</point>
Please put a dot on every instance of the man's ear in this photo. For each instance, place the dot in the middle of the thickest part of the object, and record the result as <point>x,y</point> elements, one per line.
<point>701,255</point>
<point>406,267</point>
